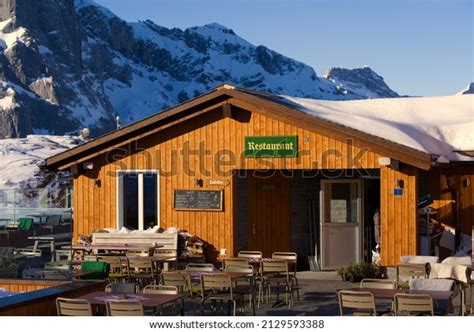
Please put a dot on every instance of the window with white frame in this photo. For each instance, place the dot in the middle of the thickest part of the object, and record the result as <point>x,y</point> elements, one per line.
<point>138,199</point>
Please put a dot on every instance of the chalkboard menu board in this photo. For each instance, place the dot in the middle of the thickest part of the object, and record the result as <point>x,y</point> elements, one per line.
<point>198,200</point>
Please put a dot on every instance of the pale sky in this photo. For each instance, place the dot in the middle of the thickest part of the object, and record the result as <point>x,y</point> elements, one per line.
<point>420,47</point>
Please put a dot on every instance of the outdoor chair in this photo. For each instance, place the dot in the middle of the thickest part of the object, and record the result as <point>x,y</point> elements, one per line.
<point>413,304</point>
<point>275,273</point>
<point>378,283</point>
<point>121,288</point>
<point>51,222</point>
<point>409,271</point>
<point>248,287</point>
<point>118,268</point>
<point>125,308</point>
<point>292,259</point>
<point>249,254</point>
<point>218,287</point>
<point>359,303</point>
<point>57,266</point>
<point>141,270</point>
<point>234,261</point>
<point>182,280</point>
<point>164,290</point>
<point>10,226</point>
<point>61,255</point>
<point>73,307</point>
<point>200,267</point>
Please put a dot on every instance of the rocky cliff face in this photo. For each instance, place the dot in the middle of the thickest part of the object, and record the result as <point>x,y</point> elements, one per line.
<point>468,90</point>
<point>359,83</point>
<point>67,64</point>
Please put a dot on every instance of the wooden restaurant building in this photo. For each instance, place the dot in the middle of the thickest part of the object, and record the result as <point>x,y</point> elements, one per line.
<point>247,170</point>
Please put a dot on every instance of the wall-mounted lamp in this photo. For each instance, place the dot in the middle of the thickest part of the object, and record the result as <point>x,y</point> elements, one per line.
<point>199,183</point>
<point>399,183</point>
<point>88,165</point>
<point>385,161</point>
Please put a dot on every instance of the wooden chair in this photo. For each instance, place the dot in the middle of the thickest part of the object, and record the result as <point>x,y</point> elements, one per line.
<point>218,287</point>
<point>275,273</point>
<point>359,303</point>
<point>410,271</point>
<point>118,267</point>
<point>165,290</point>
<point>378,283</point>
<point>249,254</point>
<point>73,307</point>
<point>413,304</point>
<point>124,308</point>
<point>292,259</point>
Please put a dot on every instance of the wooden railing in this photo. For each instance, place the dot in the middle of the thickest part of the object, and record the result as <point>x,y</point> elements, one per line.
<point>42,302</point>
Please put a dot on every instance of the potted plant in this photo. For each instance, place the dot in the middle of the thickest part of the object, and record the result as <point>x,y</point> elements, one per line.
<point>9,267</point>
<point>357,271</point>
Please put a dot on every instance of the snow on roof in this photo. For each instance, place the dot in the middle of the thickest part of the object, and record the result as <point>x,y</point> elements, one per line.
<point>435,125</point>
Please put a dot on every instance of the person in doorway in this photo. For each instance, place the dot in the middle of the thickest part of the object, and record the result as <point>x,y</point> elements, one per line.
<point>376,219</point>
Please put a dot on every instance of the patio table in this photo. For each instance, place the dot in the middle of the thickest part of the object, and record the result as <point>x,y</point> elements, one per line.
<point>388,294</point>
<point>147,300</point>
<point>51,239</point>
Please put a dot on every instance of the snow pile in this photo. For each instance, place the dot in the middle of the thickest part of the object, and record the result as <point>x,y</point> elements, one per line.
<point>435,125</point>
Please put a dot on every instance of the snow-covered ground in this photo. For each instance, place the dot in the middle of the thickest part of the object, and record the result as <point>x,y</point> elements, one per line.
<point>436,125</point>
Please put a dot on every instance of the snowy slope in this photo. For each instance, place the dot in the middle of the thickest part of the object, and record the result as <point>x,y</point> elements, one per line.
<point>436,125</point>
<point>22,159</point>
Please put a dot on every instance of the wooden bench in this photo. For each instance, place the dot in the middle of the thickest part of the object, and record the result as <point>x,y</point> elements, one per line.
<point>167,243</point>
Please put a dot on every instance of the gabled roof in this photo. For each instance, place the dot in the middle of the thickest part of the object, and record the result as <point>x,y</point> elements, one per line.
<point>274,106</point>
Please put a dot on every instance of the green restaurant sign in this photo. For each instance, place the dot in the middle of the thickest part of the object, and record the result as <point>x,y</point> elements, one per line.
<point>270,146</point>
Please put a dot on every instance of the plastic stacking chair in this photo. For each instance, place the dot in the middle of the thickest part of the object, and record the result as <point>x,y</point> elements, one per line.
<point>359,303</point>
<point>413,304</point>
<point>73,307</point>
<point>125,308</point>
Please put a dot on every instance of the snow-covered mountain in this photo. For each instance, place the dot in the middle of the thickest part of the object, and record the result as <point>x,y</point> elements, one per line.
<point>67,64</point>
<point>468,90</point>
<point>359,83</point>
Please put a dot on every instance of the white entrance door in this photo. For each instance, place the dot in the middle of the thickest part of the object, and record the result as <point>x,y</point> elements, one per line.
<point>341,207</point>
